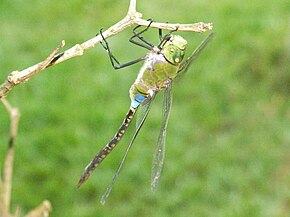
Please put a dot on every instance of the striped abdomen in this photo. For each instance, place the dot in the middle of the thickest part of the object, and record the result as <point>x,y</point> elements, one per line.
<point>109,147</point>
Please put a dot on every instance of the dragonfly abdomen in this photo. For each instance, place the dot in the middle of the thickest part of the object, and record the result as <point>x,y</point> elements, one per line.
<point>101,155</point>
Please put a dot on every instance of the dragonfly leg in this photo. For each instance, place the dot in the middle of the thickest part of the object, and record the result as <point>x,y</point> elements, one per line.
<point>165,38</point>
<point>146,44</point>
<point>115,63</point>
<point>160,34</point>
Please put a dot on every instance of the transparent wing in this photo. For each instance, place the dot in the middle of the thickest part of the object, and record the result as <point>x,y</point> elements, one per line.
<point>142,110</point>
<point>186,64</point>
<point>158,157</point>
<point>141,121</point>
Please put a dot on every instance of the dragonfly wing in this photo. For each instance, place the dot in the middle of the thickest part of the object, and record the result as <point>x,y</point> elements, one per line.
<point>158,157</point>
<point>141,121</point>
<point>141,113</point>
<point>186,64</point>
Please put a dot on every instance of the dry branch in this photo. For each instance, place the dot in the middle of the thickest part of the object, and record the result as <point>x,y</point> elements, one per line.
<point>132,18</point>
<point>17,77</point>
<point>42,210</point>
<point>6,180</point>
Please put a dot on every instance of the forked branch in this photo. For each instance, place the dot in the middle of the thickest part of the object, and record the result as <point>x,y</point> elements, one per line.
<point>132,18</point>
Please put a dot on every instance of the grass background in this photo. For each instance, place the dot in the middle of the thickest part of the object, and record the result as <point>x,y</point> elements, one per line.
<point>228,142</point>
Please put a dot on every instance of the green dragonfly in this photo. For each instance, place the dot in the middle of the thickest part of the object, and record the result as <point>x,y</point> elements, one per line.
<point>163,63</point>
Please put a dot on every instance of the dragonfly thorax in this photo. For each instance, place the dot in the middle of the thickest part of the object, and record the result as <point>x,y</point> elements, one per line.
<point>159,69</point>
<point>174,49</point>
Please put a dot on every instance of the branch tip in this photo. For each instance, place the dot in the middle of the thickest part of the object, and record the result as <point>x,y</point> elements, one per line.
<point>132,7</point>
<point>62,44</point>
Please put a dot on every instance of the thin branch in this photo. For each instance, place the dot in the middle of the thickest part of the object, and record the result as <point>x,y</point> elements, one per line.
<point>42,210</point>
<point>132,7</point>
<point>17,77</point>
<point>14,120</point>
<point>132,18</point>
<point>7,180</point>
<point>6,183</point>
<point>195,27</point>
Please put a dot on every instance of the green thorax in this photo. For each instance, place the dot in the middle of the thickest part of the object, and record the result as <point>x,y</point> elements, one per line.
<point>160,67</point>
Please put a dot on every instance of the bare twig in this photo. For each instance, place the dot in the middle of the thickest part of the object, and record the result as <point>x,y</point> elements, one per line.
<point>17,77</point>
<point>132,18</point>
<point>6,182</point>
<point>42,210</point>
<point>14,120</point>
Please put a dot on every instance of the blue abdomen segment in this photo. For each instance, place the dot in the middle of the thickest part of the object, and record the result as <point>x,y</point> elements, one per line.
<point>139,98</point>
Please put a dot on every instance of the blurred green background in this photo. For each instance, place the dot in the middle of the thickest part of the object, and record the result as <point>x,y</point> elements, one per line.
<point>228,141</point>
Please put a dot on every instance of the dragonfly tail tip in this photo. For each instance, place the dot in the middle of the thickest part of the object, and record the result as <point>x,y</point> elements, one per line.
<point>79,184</point>
<point>81,181</point>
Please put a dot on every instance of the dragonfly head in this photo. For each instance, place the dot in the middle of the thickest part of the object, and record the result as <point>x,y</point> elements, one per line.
<point>174,49</point>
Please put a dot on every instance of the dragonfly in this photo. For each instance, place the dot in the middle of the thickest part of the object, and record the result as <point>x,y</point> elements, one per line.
<point>162,65</point>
